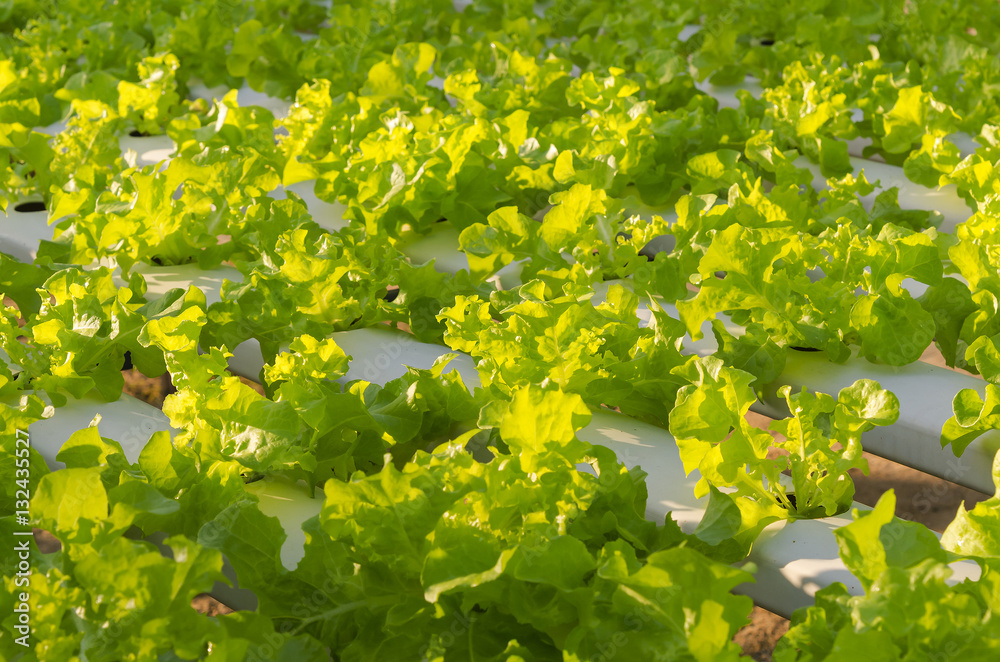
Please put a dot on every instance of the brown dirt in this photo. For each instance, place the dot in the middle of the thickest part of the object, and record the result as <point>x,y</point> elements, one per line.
<point>148,389</point>
<point>759,638</point>
<point>919,497</point>
<point>209,606</point>
<point>46,542</point>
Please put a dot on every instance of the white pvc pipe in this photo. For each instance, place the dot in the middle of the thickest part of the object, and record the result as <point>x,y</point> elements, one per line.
<point>794,559</point>
<point>160,280</point>
<point>911,195</point>
<point>245,96</point>
<point>128,421</point>
<point>149,150</point>
<point>21,232</point>
<point>441,246</point>
<point>292,505</point>
<point>53,129</point>
<point>726,94</point>
<point>688,31</point>
<point>377,353</point>
<point>381,354</point>
<point>328,215</point>
<point>925,395</point>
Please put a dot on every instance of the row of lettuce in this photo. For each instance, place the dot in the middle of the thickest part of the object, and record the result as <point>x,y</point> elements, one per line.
<point>456,521</point>
<point>479,118</point>
<point>905,75</point>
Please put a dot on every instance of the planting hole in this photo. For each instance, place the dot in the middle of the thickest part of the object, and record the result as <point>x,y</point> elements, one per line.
<point>136,133</point>
<point>33,205</point>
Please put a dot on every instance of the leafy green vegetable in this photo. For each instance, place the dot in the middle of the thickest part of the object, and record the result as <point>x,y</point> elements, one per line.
<point>564,146</point>
<point>714,437</point>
